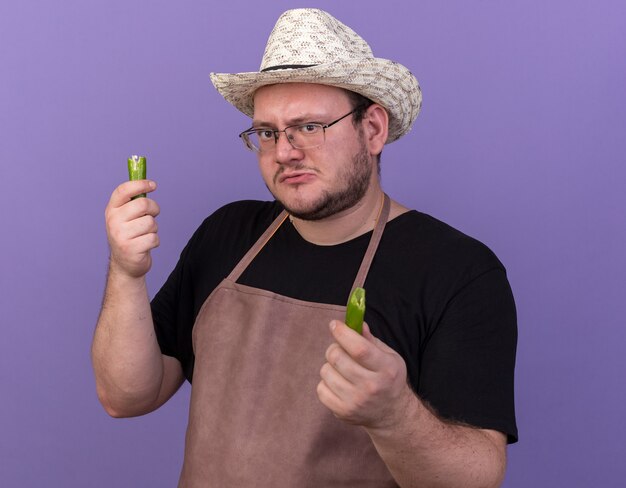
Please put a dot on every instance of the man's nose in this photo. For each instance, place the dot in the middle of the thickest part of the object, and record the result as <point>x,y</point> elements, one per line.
<point>285,152</point>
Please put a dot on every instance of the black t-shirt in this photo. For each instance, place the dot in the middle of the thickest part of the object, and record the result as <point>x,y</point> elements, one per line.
<point>441,299</point>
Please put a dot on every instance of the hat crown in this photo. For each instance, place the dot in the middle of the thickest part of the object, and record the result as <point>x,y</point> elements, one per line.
<point>307,37</point>
<point>310,46</point>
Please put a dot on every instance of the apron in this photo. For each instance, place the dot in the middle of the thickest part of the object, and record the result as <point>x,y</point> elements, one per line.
<point>255,419</point>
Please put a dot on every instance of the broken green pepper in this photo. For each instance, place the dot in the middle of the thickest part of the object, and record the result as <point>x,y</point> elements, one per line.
<point>137,170</point>
<point>355,310</point>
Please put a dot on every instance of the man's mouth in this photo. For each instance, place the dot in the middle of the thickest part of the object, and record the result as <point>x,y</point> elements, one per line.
<point>295,176</point>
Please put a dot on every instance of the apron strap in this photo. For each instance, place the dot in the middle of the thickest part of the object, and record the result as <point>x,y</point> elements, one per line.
<point>271,230</point>
<point>381,221</point>
<point>254,250</point>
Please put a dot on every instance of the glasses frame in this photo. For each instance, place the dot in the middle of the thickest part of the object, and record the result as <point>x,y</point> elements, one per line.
<point>245,135</point>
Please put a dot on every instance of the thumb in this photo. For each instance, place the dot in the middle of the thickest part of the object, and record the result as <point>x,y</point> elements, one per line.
<point>367,333</point>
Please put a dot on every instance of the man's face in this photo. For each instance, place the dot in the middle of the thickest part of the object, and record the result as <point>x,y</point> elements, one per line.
<point>318,182</point>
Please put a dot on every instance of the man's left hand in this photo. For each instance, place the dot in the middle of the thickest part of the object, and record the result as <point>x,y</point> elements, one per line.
<point>363,379</point>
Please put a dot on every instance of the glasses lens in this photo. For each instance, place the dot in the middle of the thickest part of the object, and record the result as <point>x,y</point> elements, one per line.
<point>299,136</point>
<point>252,141</point>
<point>258,140</point>
<point>305,136</point>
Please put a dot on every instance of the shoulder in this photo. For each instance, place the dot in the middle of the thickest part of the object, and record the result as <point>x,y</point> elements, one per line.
<point>236,222</point>
<point>243,214</point>
<point>245,210</point>
<point>434,247</point>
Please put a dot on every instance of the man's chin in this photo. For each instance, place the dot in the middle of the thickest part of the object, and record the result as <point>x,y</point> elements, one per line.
<point>326,205</point>
<point>304,210</point>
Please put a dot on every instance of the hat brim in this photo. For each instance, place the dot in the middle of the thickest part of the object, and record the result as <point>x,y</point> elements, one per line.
<point>383,81</point>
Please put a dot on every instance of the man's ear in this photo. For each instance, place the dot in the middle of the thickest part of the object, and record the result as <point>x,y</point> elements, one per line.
<point>375,128</point>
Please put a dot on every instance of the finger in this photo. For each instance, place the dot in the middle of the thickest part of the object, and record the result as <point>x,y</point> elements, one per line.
<point>330,400</point>
<point>141,226</point>
<point>359,348</point>
<point>130,248</point>
<point>345,366</point>
<point>124,192</point>
<point>340,408</point>
<point>139,207</point>
<point>336,382</point>
<point>144,243</point>
<point>327,396</point>
<point>130,211</point>
<point>120,222</point>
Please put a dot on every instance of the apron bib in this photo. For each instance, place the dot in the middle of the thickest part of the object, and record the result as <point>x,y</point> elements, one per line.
<point>255,419</point>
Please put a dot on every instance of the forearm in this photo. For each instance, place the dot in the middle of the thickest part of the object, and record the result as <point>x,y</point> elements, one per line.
<point>127,361</point>
<point>421,450</point>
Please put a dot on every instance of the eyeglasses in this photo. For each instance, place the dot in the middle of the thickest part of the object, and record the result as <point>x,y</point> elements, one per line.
<point>300,136</point>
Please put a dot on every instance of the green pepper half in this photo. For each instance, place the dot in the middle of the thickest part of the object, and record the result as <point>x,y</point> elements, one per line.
<point>355,310</point>
<point>137,170</point>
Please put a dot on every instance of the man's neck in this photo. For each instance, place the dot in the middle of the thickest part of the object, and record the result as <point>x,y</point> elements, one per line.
<point>345,225</point>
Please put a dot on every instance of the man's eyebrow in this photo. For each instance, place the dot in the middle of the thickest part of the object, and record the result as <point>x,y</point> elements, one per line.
<point>260,123</point>
<point>301,119</point>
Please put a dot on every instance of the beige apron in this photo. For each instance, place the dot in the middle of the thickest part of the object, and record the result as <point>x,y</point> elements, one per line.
<point>255,419</point>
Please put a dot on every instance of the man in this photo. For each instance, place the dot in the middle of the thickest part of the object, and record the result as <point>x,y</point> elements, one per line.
<point>284,393</point>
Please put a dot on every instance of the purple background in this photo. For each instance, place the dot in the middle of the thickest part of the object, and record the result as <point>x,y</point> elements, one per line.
<point>521,143</point>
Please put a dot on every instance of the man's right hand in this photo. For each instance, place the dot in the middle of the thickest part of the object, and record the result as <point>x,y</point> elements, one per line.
<point>133,377</point>
<point>131,228</point>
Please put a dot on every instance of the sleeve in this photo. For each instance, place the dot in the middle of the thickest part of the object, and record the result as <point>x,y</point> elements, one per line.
<point>167,307</point>
<point>468,362</point>
<point>174,305</point>
<point>164,311</point>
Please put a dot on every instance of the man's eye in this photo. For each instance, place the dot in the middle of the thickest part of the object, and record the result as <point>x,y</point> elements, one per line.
<point>265,134</point>
<point>309,128</point>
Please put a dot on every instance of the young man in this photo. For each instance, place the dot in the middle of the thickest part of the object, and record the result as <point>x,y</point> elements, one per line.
<point>284,393</point>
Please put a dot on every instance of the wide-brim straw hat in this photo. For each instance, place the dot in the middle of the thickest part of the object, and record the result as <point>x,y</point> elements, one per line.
<point>311,46</point>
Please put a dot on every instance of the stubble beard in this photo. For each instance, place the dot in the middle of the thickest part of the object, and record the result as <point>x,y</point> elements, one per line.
<point>355,180</point>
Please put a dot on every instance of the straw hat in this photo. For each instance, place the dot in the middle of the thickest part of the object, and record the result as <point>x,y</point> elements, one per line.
<point>311,46</point>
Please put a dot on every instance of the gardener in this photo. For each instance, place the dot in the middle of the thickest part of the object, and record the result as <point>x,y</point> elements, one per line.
<point>284,394</point>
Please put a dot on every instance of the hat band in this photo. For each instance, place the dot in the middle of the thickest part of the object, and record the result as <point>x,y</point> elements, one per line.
<point>287,66</point>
